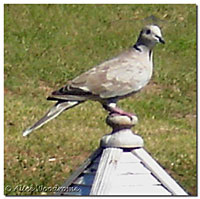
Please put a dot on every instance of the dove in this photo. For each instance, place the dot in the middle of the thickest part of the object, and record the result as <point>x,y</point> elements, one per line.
<point>110,81</point>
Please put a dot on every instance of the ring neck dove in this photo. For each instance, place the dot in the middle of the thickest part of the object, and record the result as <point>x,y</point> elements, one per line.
<point>110,81</point>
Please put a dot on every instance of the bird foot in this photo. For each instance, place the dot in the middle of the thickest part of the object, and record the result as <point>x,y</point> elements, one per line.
<point>114,110</point>
<point>118,111</point>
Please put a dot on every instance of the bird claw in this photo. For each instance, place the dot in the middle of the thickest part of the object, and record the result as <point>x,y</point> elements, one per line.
<point>130,115</point>
<point>118,111</point>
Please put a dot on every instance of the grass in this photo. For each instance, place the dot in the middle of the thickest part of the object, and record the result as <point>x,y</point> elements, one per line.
<point>47,45</point>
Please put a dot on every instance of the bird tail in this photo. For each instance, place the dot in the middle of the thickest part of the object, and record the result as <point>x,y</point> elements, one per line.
<point>56,110</point>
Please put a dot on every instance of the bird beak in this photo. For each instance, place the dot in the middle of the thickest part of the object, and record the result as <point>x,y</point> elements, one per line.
<point>161,40</point>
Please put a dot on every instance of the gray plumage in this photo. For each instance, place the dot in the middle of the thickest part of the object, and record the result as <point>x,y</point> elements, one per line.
<point>110,81</point>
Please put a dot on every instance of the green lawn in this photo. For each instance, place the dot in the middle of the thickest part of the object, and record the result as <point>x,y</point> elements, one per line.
<point>47,45</point>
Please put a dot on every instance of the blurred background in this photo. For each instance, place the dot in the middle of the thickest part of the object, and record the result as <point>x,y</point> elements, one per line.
<point>47,45</point>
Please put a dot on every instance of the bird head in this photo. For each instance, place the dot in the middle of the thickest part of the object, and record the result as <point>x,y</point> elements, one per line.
<point>150,35</point>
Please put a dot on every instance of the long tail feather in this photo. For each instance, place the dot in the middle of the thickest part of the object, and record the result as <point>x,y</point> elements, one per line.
<point>56,110</point>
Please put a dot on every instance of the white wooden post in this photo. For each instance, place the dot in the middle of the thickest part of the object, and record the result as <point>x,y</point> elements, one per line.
<point>120,137</point>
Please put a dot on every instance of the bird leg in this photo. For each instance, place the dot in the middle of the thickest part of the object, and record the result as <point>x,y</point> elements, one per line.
<point>113,109</point>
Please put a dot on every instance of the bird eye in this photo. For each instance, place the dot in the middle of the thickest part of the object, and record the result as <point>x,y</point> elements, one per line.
<point>148,31</point>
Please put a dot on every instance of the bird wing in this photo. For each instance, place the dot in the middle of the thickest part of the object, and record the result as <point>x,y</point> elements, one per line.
<point>117,77</point>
